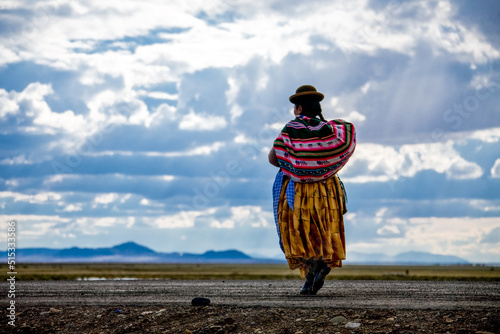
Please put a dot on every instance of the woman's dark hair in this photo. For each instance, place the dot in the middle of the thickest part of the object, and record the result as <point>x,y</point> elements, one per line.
<point>311,108</point>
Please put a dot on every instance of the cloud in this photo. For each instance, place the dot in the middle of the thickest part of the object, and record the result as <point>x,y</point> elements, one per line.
<point>39,198</point>
<point>197,122</point>
<point>375,162</point>
<point>488,135</point>
<point>7,105</point>
<point>252,216</point>
<point>72,208</point>
<point>181,220</point>
<point>492,237</point>
<point>30,109</point>
<point>480,16</point>
<point>35,227</point>
<point>495,170</point>
<point>17,160</point>
<point>388,230</point>
<point>106,198</point>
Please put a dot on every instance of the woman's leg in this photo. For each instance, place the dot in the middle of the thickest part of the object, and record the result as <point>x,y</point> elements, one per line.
<point>315,275</point>
<point>319,277</point>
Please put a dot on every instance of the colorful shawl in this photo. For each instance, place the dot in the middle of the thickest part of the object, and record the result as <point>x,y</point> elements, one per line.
<point>310,150</point>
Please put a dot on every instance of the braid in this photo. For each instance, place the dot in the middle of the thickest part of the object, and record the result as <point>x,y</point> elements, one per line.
<point>311,108</point>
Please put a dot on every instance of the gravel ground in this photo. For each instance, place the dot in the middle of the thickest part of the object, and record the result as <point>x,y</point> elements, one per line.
<point>254,307</point>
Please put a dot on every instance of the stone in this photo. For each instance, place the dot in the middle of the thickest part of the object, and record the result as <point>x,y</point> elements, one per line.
<point>338,320</point>
<point>26,327</point>
<point>54,310</point>
<point>200,301</point>
<point>231,327</point>
<point>352,325</point>
<point>159,312</point>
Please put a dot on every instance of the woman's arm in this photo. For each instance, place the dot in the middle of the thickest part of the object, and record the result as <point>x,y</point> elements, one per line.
<point>273,160</point>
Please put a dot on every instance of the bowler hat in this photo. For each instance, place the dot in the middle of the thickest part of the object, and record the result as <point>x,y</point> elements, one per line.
<point>306,91</point>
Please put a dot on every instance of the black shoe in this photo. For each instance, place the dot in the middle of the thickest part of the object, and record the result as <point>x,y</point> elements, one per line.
<point>319,279</point>
<point>308,285</point>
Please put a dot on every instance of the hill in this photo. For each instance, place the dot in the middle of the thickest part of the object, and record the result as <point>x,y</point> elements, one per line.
<point>133,252</point>
<point>407,258</point>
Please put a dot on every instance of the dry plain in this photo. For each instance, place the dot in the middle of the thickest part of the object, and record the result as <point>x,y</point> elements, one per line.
<point>254,299</point>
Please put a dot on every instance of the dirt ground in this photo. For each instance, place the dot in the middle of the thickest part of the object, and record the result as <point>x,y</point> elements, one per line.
<point>230,319</point>
<point>253,306</point>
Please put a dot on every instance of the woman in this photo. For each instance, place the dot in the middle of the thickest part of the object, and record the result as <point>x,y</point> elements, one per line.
<point>309,199</point>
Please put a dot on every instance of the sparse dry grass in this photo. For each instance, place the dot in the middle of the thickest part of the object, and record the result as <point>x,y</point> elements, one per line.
<point>73,271</point>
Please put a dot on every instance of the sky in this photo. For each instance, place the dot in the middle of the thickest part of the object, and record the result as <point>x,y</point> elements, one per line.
<point>150,121</point>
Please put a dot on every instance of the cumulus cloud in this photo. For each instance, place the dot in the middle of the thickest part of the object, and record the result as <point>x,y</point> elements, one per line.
<point>388,230</point>
<point>492,236</point>
<point>374,162</point>
<point>35,226</point>
<point>72,208</point>
<point>200,122</point>
<point>7,104</point>
<point>106,198</point>
<point>252,216</point>
<point>30,108</point>
<point>18,160</point>
<point>487,135</point>
<point>183,219</point>
<point>39,198</point>
<point>495,170</point>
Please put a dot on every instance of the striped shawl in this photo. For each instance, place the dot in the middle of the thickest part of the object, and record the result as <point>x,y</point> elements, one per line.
<point>310,150</point>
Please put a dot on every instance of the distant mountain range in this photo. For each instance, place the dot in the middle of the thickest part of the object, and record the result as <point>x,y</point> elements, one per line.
<point>403,258</point>
<point>134,253</point>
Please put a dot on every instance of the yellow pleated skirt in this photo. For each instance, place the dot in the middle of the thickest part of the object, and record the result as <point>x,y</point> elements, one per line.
<point>315,227</point>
